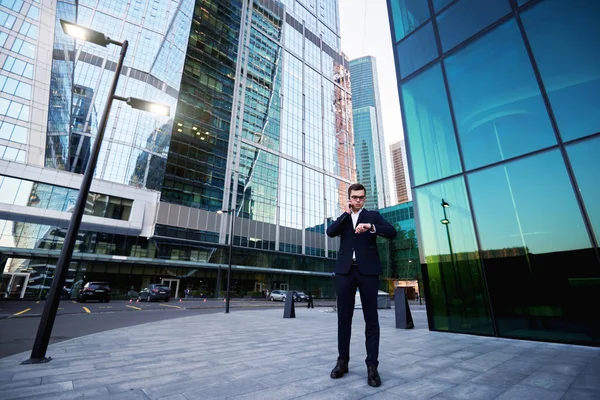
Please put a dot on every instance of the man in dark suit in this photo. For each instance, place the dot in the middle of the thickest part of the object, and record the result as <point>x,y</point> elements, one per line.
<point>358,266</point>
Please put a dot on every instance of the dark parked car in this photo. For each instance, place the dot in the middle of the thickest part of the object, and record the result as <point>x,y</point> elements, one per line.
<point>155,291</point>
<point>300,296</point>
<point>94,291</point>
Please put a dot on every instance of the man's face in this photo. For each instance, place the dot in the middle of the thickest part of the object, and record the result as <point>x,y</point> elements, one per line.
<point>357,198</point>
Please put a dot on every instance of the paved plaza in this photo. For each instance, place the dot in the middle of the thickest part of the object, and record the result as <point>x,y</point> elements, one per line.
<point>257,354</point>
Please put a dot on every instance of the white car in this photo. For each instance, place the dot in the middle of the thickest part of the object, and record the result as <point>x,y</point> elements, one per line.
<point>278,295</point>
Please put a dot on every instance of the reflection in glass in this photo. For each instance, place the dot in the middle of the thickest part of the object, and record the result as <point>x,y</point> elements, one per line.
<point>257,185</point>
<point>263,89</point>
<point>534,241</point>
<point>49,197</point>
<point>565,47</point>
<point>498,107</point>
<point>457,296</point>
<point>198,152</point>
<point>416,50</point>
<point>586,167</point>
<point>408,15</point>
<point>467,17</point>
<point>433,149</point>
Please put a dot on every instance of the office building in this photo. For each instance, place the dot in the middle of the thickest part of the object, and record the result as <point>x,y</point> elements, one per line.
<point>501,120</point>
<point>369,143</point>
<point>260,124</point>
<point>398,154</point>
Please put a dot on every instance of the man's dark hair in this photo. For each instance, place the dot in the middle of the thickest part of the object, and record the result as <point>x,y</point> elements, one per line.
<point>356,186</point>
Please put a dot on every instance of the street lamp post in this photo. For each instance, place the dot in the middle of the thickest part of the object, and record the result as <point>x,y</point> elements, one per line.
<point>40,345</point>
<point>446,222</point>
<point>231,215</point>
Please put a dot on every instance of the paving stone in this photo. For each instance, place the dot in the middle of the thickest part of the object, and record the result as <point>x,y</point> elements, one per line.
<point>453,375</point>
<point>287,391</point>
<point>519,366</point>
<point>524,392</point>
<point>550,381</point>
<point>21,383</point>
<point>420,389</point>
<point>463,354</point>
<point>564,369</point>
<point>581,394</point>
<point>592,370</point>
<point>55,370</point>
<point>587,382</point>
<point>76,394</point>
<point>383,396</point>
<point>131,395</point>
<point>499,378</point>
<point>36,392</point>
<point>439,362</point>
<point>225,390</point>
<point>478,365</point>
<point>6,376</point>
<point>101,379</point>
<point>468,391</point>
<point>137,383</point>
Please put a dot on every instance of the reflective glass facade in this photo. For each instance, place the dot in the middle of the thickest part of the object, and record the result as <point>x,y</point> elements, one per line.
<point>501,121</point>
<point>19,33</point>
<point>260,123</point>
<point>263,127</point>
<point>369,141</point>
<point>400,256</point>
<point>135,141</point>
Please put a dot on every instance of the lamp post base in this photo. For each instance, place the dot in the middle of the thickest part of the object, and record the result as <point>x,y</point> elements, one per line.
<point>36,360</point>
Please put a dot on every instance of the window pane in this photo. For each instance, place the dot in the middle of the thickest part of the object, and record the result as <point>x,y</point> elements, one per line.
<point>535,250</point>
<point>458,300</point>
<point>33,12</point>
<point>467,17</point>
<point>439,4</point>
<point>417,50</point>
<point>19,135</point>
<point>586,166</point>
<point>498,107</point>
<point>432,142</point>
<point>28,73</point>
<point>408,15</point>
<point>564,41</point>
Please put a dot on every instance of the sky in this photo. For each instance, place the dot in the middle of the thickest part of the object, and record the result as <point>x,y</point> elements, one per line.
<point>365,31</point>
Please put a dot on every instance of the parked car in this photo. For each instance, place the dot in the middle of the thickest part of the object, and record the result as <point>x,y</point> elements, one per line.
<point>95,291</point>
<point>278,295</point>
<point>300,296</point>
<point>155,291</point>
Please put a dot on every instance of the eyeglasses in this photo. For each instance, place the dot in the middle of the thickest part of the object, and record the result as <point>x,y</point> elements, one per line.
<point>357,198</point>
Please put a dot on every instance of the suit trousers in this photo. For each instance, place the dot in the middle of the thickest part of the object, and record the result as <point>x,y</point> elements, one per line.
<point>368,285</point>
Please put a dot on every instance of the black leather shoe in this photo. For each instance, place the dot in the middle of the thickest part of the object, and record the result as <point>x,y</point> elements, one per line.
<point>373,376</point>
<point>340,369</point>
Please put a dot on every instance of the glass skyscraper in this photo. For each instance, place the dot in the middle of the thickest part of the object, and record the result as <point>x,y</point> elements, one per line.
<point>500,109</point>
<point>400,172</point>
<point>260,124</point>
<point>369,141</point>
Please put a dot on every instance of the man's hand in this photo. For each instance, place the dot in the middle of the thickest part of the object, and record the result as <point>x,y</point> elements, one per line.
<point>360,228</point>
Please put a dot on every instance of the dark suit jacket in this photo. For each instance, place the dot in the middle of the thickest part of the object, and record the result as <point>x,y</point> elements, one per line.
<point>362,244</point>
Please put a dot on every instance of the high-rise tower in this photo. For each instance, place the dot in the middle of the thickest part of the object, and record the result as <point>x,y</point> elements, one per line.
<point>369,142</point>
